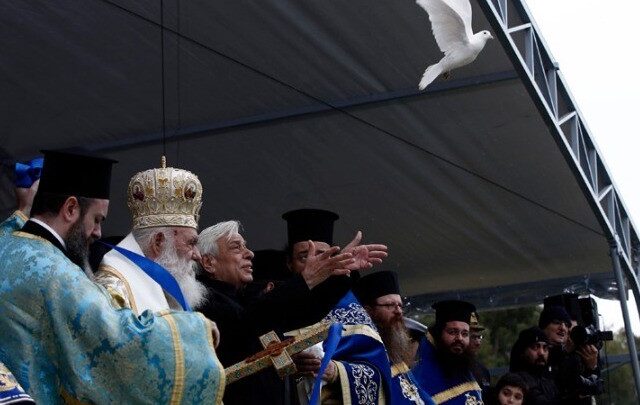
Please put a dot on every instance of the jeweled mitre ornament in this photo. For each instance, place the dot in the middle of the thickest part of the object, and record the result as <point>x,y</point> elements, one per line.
<point>164,197</point>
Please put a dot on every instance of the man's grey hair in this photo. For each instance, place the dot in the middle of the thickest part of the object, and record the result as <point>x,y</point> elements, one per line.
<point>145,236</point>
<point>208,238</point>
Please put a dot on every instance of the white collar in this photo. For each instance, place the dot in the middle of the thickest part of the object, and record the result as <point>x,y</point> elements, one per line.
<point>50,229</point>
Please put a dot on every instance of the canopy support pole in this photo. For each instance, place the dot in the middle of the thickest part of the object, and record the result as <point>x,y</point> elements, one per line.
<point>631,342</point>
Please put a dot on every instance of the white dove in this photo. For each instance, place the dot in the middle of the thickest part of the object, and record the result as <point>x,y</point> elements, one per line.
<point>451,26</point>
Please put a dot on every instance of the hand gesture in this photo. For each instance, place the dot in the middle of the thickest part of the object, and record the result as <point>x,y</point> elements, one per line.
<point>365,256</point>
<point>319,268</point>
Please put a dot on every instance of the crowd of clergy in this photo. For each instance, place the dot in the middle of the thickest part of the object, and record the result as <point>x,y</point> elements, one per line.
<point>178,311</point>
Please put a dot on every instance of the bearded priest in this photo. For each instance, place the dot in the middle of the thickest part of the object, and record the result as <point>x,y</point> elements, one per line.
<point>165,205</point>
<point>65,337</point>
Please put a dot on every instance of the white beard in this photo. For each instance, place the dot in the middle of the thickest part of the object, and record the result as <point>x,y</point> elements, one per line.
<point>182,269</point>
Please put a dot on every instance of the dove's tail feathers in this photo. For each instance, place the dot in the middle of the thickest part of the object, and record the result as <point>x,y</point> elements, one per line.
<point>430,75</point>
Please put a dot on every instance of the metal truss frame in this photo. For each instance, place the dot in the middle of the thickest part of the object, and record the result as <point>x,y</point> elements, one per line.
<point>520,37</point>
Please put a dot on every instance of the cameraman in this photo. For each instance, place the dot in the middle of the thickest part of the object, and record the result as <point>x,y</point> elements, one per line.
<point>574,365</point>
<point>578,374</point>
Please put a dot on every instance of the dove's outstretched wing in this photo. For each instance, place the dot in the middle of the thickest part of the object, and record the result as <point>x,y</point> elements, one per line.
<point>463,8</point>
<point>450,22</point>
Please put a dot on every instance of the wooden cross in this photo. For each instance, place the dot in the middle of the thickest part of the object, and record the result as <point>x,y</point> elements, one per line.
<point>277,353</point>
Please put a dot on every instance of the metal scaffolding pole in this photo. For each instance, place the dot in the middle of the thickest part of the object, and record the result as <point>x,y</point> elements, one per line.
<point>615,258</point>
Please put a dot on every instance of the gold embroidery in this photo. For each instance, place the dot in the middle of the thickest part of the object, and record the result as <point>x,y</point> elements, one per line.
<point>221,374</point>
<point>455,391</point>
<point>7,381</point>
<point>410,391</point>
<point>178,386</point>
<point>361,330</point>
<point>30,236</point>
<point>164,197</point>
<point>115,273</point>
<point>344,383</point>
<point>118,299</point>
<point>399,368</point>
<point>21,215</point>
<point>471,400</point>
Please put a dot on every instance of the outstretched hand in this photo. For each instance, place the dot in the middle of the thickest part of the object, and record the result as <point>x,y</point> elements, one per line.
<point>328,263</point>
<point>365,256</point>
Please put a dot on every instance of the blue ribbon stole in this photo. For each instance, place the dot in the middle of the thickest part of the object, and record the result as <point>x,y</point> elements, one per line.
<point>329,346</point>
<point>28,172</point>
<point>158,273</point>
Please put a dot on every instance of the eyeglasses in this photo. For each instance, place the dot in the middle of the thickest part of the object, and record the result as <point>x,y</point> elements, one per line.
<point>457,332</point>
<point>392,306</point>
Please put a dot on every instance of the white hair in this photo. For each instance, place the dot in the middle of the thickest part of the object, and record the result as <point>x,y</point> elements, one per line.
<point>208,238</point>
<point>145,236</point>
<point>182,269</point>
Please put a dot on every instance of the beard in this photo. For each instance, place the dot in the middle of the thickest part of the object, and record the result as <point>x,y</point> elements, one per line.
<point>77,245</point>
<point>452,363</point>
<point>397,341</point>
<point>183,270</point>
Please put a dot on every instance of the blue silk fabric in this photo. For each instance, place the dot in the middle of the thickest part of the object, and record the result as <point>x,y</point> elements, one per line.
<point>362,360</point>
<point>28,172</point>
<point>458,389</point>
<point>64,340</point>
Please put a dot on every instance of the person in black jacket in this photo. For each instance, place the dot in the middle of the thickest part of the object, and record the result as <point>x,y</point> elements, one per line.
<point>529,359</point>
<point>574,366</point>
<point>226,268</point>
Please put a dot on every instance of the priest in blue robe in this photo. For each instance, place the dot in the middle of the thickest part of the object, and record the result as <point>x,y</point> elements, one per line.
<point>65,338</point>
<point>369,365</point>
<point>443,368</point>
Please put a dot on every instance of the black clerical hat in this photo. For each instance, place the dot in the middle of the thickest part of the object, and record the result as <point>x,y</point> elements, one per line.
<point>67,173</point>
<point>453,310</point>
<point>310,224</point>
<point>270,265</point>
<point>569,302</point>
<point>375,285</point>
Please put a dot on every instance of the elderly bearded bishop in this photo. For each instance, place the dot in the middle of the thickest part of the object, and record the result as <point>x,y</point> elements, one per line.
<point>165,205</point>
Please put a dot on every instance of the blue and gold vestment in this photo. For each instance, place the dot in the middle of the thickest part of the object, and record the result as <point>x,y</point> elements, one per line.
<point>364,371</point>
<point>66,341</point>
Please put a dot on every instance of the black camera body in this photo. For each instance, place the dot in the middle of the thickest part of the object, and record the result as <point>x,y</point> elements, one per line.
<point>589,335</point>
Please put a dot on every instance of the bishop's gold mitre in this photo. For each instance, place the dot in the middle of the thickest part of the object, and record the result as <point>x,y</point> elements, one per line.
<point>164,197</point>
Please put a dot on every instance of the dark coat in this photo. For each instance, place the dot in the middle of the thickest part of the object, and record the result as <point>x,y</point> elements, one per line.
<point>542,390</point>
<point>243,319</point>
<point>482,376</point>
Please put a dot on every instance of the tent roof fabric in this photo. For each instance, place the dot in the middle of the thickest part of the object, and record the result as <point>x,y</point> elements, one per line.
<point>279,105</point>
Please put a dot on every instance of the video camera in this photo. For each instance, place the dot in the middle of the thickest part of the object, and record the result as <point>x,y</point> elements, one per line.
<point>589,335</point>
<point>585,312</point>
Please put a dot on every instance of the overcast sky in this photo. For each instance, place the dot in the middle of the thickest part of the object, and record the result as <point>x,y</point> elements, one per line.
<point>595,43</point>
